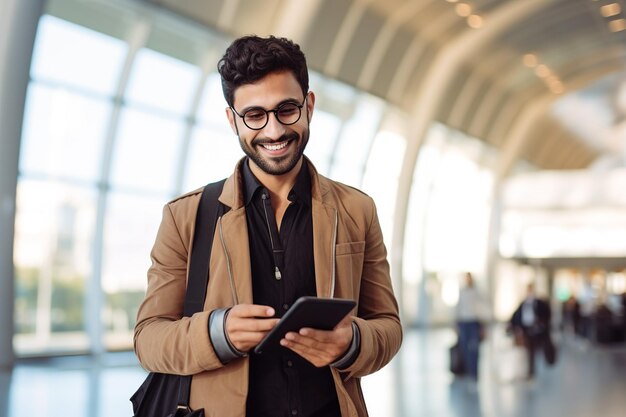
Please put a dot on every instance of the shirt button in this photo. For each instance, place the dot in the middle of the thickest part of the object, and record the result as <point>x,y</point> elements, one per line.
<point>294,412</point>
<point>286,306</point>
<point>289,364</point>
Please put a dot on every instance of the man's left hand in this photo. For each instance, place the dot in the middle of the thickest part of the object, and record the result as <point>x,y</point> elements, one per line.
<point>320,347</point>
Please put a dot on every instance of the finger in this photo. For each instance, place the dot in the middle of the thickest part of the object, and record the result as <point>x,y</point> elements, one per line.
<point>307,341</point>
<point>251,310</point>
<point>247,333</point>
<point>252,338</point>
<point>313,355</point>
<point>249,324</point>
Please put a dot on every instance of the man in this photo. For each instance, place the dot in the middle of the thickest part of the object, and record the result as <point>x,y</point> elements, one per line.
<point>532,318</point>
<point>471,311</point>
<point>289,232</point>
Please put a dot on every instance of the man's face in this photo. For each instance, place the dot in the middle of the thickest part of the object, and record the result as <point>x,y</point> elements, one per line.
<point>277,148</point>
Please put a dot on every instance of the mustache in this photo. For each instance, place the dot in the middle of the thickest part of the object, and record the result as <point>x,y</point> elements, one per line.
<point>283,138</point>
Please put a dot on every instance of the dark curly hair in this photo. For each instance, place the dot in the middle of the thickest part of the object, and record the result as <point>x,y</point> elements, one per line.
<point>250,58</point>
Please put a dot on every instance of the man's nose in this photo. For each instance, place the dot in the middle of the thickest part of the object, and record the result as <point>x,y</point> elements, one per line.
<point>273,129</point>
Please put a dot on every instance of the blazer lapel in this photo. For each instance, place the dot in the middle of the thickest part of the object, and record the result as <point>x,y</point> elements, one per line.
<point>324,236</point>
<point>235,235</point>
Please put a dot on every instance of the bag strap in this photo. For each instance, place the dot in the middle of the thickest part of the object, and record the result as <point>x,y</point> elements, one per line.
<point>209,211</point>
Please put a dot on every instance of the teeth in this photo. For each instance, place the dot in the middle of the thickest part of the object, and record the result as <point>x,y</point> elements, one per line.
<point>275,147</point>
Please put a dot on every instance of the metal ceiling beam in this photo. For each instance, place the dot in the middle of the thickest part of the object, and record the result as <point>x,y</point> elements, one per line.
<point>432,90</point>
<point>344,37</point>
<point>297,29</point>
<point>383,41</point>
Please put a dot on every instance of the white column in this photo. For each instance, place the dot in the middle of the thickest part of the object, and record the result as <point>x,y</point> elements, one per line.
<point>18,25</point>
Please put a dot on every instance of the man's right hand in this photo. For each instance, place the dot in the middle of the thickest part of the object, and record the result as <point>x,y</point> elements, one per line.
<point>247,324</point>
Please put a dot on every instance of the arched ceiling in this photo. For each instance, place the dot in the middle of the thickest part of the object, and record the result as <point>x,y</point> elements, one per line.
<point>541,53</point>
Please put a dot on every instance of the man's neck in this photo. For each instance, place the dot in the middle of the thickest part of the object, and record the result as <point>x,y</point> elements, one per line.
<point>278,186</point>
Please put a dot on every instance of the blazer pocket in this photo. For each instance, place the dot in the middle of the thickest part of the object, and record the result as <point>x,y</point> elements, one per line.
<point>349,267</point>
<point>349,248</point>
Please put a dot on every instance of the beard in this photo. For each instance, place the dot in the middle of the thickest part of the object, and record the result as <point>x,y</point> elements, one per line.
<point>277,165</point>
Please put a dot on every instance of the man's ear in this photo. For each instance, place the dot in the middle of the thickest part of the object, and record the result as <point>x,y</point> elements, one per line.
<point>310,105</point>
<point>231,120</point>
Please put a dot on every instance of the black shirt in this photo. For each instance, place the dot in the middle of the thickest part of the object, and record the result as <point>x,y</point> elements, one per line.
<point>281,383</point>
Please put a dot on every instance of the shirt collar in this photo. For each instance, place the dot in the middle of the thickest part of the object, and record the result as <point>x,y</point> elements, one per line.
<point>301,191</point>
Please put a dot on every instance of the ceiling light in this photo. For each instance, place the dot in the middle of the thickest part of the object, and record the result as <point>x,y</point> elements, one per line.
<point>617,25</point>
<point>542,71</point>
<point>556,86</point>
<point>452,1</point>
<point>609,10</point>
<point>475,21</point>
<point>463,9</point>
<point>530,60</point>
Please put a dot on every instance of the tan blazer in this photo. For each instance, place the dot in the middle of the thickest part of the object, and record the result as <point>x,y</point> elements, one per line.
<point>350,262</point>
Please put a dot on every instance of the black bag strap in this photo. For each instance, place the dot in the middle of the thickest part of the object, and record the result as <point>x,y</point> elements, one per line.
<point>206,218</point>
<point>209,210</point>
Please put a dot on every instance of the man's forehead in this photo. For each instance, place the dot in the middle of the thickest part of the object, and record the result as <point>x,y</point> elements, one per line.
<point>273,88</point>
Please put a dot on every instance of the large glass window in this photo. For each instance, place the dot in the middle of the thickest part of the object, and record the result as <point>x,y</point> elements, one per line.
<point>324,130</point>
<point>147,152</point>
<point>63,134</point>
<point>130,228</point>
<point>214,148</point>
<point>381,177</point>
<point>53,242</point>
<point>74,75</point>
<point>356,139</point>
<point>447,223</point>
<point>212,156</point>
<point>74,56</point>
<point>162,82</point>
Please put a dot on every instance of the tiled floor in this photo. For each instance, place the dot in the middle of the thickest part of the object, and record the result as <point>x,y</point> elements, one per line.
<point>586,381</point>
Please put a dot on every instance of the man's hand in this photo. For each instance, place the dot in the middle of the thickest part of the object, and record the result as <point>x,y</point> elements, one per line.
<point>247,324</point>
<point>321,347</point>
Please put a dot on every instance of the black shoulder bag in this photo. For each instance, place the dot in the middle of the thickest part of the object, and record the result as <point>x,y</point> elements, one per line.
<point>167,395</point>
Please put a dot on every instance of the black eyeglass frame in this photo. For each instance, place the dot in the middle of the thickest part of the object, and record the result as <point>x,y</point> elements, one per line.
<point>275,111</point>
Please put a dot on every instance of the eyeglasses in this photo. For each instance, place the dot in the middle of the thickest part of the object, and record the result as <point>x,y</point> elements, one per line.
<point>256,118</point>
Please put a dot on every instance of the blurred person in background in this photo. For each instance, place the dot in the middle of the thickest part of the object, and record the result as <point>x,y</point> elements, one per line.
<point>532,319</point>
<point>570,316</point>
<point>471,313</point>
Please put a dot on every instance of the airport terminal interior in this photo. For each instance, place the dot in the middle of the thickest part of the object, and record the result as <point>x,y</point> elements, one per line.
<point>491,135</point>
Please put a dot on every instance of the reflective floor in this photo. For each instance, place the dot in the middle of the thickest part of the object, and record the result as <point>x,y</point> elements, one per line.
<point>587,381</point>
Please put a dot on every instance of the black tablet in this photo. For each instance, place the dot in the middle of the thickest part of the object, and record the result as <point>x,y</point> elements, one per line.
<point>313,312</point>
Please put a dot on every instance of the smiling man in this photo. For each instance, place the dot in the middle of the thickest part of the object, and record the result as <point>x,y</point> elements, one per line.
<point>289,232</point>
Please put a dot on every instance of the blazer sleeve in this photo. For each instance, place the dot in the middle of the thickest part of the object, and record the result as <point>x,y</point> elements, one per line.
<point>164,340</point>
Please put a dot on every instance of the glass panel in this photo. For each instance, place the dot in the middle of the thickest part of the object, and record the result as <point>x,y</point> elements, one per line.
<point>212,156</point>
<point>130,229</point>
<point>212,106</point>
<point>160,81</point>
<point>381,177</point>
<point>414,290</point>
<point>53,260</point>
<point>356,138</point>
<point>63,134</point>
<point>146,151</point>
<point>74,55</point>
<point>458,216</point>
<point>324,130</point>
